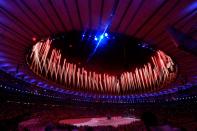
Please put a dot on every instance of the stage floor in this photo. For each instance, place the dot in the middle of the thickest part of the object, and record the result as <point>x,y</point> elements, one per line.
<point>100,121</point>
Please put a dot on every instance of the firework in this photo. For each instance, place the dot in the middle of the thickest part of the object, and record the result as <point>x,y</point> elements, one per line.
<point>155,74</point>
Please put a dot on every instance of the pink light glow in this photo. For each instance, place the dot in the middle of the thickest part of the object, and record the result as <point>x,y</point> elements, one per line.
<point>152,76</point>
<point>34,39</point>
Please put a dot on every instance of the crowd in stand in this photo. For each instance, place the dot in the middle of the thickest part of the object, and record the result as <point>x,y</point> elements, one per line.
<point>15,108</point>
<point>168,116</point>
